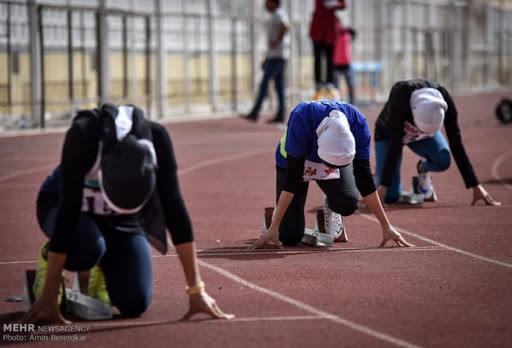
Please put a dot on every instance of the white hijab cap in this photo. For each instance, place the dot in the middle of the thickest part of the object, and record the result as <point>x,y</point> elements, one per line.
<point>336,143</point>
<point>428,107</point>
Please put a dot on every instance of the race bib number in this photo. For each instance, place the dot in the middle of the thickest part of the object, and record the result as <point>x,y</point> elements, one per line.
<point>412,133</point>
<point>319,171</point>
<point>94,203</point>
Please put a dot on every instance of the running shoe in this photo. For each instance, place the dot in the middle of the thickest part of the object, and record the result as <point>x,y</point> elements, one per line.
<point>97,287</point>
<point>425,186</point>
<point>37,287</point>
<point>334,224</point>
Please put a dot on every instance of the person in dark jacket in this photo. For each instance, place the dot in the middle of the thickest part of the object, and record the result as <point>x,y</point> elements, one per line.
<point>414,115</point>
<point>115,191</point>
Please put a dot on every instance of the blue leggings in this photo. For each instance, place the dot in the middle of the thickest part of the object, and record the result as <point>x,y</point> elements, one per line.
<point>436,154</point>
<point>274,69</point>
<point>125,259</point>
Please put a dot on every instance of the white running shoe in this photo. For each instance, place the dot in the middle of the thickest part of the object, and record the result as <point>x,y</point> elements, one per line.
<point>333,223</point>
<point>426,188</point>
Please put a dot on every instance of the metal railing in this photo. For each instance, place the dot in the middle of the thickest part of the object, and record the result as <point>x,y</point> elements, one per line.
<point>202,56</point>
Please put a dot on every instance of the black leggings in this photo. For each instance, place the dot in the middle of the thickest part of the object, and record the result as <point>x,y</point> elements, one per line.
<point>342,198</point>
<point>323,51</point>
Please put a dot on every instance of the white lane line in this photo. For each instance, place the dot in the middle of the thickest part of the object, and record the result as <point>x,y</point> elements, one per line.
<point>206,253</point>
<point>184,171</point>
<point>133,323</point>
<point>227,252</point>
<point>285,318</point>
<point>321,314</point>
<point>25,172</point>
<point>16,262</point>
<point>428,240</point>
<point>291,250</point>
<point>495,166</point>
<point>218,160</point>
<point>309,252</point>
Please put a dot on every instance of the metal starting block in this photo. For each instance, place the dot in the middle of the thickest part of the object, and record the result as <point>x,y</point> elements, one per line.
<point>267,219</point>
<point>74,301</point>
<point>316,237</point>
<point>28,294</point>
<point>413,196</point>
<point>84,306</point>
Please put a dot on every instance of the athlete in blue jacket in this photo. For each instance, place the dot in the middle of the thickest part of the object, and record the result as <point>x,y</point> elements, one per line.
<point>327,142</point>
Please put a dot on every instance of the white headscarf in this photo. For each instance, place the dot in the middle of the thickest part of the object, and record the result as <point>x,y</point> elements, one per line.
<point>336,143</point>
<point>428,107</point>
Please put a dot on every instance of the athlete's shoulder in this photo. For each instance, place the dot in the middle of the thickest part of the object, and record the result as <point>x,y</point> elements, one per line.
<point>87,116</point>
<point>87,121</point>
<point>158,130</point>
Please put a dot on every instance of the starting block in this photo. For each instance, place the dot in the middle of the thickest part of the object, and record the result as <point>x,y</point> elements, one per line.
<point>316,237</point>
<point>84,306</point>
<point>74,301</point>
<point>267,219</point>
<point>28,294</point>
<point>320,226</point>
<point>414,196</point>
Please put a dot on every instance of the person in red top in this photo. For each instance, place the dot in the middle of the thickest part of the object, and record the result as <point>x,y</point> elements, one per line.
<point>324,28</point>
<point>342,59</point>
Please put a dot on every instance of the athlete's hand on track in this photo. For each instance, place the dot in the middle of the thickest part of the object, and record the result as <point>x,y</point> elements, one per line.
<point>44,311</point>
<point>272,235</point>
<point>479,193</point>
<point>392,234</point>
<point>204,303</point>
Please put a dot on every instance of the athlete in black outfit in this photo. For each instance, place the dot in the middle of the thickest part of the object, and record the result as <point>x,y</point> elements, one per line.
<point>84,230</point>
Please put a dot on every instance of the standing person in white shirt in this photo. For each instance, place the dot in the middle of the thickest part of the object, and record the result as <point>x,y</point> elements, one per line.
<point>275,62</point>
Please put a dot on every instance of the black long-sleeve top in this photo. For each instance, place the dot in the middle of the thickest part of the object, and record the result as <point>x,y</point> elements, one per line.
<point>78,156</point>
<point>397,110</point>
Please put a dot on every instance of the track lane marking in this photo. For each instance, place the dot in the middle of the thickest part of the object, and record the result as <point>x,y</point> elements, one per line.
<point>25,172</point>
<point>206,253</point>
<point>134,323</point>
<point>495,166</point>
<point>218,160</point>
<point>442,245</point>
<point>321,314</point>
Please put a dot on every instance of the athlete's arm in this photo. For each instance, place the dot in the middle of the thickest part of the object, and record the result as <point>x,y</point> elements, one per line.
<point>199,300</point>
<point>176,214</point>
<point>388,231</point>
<point>294,173</point>
<point>79,152</point>
<point>180,227</point>
<point>46,308</point>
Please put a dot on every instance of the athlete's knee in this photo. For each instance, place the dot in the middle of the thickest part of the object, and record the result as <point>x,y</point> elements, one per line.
<point>291,235</point>
<point>442,161</point>
<point>85,254</point>
<point>291,239</point>
<point>345,204</point>
<point>135,304</point>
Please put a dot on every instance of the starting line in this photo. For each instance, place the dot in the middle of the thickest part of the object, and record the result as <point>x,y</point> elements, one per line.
<point>444,246</point>
<point>227,252</point>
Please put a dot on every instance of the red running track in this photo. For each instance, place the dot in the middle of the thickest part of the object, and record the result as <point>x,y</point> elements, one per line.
<point>451,290</point>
